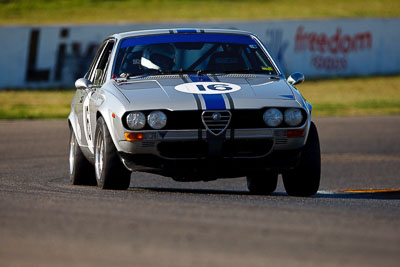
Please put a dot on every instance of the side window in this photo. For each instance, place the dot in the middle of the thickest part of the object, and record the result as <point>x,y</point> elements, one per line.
<point>92,68</point>
<point>98,70</point>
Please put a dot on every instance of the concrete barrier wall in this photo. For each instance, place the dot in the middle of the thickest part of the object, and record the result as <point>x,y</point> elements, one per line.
<point>54,56</point>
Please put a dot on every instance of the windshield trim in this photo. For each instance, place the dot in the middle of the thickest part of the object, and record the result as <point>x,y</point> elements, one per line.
<point>229,38</point>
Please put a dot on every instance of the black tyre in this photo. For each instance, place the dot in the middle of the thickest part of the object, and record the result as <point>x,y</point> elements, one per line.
<point>110,172</point>
<point>262,183</point>
<point>81,172</point>
<point>304,179</point>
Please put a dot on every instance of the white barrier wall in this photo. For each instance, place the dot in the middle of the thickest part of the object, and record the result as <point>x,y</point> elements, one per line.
<point>54,56</point>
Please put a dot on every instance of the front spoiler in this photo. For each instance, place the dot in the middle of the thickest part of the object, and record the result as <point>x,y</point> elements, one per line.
<point>210,168</point>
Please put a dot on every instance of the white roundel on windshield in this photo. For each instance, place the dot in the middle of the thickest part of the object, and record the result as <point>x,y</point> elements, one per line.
<point>207,88</point>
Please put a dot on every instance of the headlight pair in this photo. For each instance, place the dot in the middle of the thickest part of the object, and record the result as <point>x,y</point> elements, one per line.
<point>136,120</point>
<point>273,117</point>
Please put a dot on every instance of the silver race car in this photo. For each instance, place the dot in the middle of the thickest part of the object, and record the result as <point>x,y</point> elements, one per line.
<point>194,105</point>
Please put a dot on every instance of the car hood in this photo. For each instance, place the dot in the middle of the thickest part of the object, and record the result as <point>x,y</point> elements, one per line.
<point>193,92</point>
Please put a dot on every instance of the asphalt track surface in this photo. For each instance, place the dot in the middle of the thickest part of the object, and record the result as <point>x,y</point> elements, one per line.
<point>45,221</point>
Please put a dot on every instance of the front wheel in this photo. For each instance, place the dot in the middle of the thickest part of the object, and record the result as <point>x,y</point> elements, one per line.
<point>262,183</point>
<point>110,172</point>
<point>81,172</point>
<point>304,179</point>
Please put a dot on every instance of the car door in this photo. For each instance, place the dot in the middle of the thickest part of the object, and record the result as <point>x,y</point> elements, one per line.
<point>82,98</point>
<point>90,104</point>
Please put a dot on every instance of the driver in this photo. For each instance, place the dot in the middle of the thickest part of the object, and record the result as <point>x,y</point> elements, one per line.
<point>159,57</point>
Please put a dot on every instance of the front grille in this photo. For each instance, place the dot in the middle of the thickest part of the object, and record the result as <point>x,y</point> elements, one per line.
<point>280,137</point>
<point>281,140</point>
<point>247,119</point>
<point>216,121</point>
<point>197,119</point>
<point>146,143</point>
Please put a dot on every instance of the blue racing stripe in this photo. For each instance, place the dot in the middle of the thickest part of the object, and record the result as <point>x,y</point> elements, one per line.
<point>212,101</point>
<point>196,78</point>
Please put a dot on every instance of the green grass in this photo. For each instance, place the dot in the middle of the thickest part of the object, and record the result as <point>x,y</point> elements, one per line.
<point>353,96</point>
<point>339,97</point>
<point>35,104</point>
<point>131,11</point>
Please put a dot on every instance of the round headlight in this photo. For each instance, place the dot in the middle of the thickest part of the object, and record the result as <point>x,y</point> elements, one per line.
<point>273,117</point>
<point>293,116</point>
<point>136,120</point>
<point>157,119</point>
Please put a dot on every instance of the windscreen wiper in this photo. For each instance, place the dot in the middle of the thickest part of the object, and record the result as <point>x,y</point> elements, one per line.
<point>245,71</point>
<point>179,72</point>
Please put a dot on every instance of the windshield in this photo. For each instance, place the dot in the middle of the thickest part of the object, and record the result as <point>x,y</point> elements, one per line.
<point>190,53</point>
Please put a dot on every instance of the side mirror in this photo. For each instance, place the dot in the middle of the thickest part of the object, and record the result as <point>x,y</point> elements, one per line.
<point>295,78</point>
<point>83,84</point>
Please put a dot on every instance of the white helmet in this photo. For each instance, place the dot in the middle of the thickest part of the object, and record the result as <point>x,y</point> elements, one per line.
<point>158,57</point>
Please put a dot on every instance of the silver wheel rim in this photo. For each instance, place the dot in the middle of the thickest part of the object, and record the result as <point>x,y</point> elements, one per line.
<point>71,154</point>
<point>99,155</point>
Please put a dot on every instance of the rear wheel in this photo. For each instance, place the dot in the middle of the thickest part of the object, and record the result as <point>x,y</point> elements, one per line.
<point>110,172</point>
<point>81,171</point>
<point>262,183</point>
<point>304,179</point>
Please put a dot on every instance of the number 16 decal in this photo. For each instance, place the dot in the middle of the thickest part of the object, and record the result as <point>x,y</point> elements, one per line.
<point>207,88</point>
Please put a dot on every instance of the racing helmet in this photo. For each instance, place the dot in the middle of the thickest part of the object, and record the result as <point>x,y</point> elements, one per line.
<point>158,57</point>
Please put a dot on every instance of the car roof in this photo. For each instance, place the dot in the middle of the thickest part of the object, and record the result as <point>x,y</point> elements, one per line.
<point>177,31</point>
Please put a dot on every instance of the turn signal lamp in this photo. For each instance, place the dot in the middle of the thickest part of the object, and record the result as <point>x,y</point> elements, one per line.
<point>295,133</point>
<point>133,136</point>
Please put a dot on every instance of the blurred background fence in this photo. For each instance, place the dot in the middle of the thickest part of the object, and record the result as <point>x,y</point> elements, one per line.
<point>54,56</point>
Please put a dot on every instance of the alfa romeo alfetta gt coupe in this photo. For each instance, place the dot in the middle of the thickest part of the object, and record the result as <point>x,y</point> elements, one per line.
<point>194,105</point>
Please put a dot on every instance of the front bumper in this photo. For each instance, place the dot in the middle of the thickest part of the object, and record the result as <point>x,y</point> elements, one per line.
<point>231,154</point>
